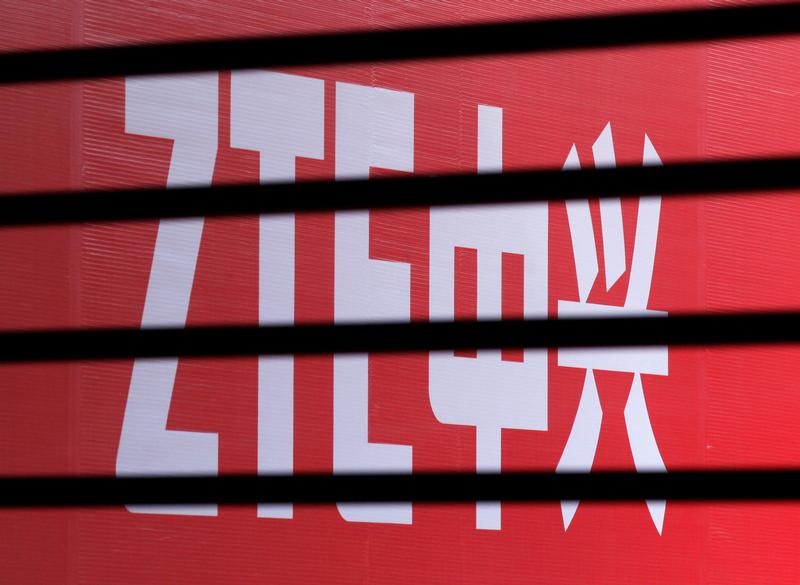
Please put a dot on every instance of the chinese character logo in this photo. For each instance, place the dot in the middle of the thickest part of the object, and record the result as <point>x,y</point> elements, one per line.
<point>579,452</point>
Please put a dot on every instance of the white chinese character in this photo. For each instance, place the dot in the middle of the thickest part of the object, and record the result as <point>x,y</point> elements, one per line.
<point>486,392</point>
<point>579,451</point>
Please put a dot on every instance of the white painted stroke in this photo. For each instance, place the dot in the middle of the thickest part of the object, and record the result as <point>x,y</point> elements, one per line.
<point>644,250</point>
<point>610,212</point>
<point>183,108</point>
<point>646,455</point>
<point>281,117</point>
<point>581,446</point>
<point>488,440</point>
<point>584,248</point>
<point>374,128</point>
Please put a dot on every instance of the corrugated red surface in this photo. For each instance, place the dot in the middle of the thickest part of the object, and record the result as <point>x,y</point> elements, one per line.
<point>715,408</point>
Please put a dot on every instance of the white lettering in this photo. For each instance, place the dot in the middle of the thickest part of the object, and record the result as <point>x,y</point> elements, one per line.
<point>183,108</point>
<point>282,117</point>
<point>374,127</point>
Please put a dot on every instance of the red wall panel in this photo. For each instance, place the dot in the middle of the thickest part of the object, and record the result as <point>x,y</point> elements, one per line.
<point>718,407</point>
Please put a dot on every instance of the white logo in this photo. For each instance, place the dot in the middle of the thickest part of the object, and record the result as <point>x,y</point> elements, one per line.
<point>579,451</point>
<point>282,117</point>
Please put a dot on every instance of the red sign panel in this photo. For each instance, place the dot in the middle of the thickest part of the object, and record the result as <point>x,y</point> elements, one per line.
<point>653,409</point>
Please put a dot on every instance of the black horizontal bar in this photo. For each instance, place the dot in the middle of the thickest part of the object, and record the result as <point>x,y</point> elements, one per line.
<point>591,32</point>
<point>693,330</point>
<point>419,487</point>
<point>741,175</point>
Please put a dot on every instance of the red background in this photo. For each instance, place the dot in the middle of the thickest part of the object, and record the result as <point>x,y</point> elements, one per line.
<point>717,407</point>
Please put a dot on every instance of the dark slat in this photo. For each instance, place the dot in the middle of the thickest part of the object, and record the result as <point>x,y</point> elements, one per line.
<point>419,487</point>
<point>722,329</point>
<point>742,175</point>
<point>592,32</point>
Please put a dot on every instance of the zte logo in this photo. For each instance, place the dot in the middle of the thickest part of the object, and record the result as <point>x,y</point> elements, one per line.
<point>485,263</point>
